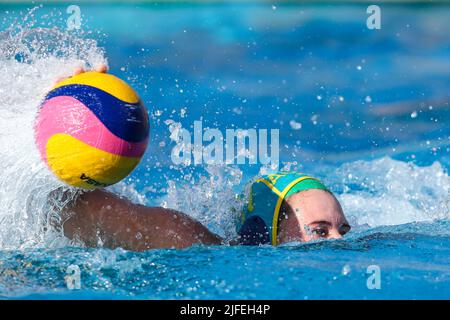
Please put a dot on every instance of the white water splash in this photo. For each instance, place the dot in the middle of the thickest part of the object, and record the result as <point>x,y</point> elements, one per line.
<point>31,59</point>
<point>211,199</point>
<point>377,192</point>
<point>389,192</point>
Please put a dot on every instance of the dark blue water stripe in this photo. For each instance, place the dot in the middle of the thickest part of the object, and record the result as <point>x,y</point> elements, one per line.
<point>128,121</point>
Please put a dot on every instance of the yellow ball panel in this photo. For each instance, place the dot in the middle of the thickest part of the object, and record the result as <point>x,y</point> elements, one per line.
<point>103,81</point>
<point>81,165</point>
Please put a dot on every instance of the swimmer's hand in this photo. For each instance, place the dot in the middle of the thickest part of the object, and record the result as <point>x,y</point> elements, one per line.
<point>103,68</point>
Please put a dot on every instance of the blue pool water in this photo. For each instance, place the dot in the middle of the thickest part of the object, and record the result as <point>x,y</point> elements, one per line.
<point>365,110</point>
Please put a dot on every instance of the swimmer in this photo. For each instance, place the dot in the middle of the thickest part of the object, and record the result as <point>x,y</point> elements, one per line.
<point>281,208</point>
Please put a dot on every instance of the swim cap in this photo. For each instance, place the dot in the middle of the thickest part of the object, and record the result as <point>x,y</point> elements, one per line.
<point>259,221</point>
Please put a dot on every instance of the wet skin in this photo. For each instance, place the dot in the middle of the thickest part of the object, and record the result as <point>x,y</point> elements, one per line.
<point>311,215</point>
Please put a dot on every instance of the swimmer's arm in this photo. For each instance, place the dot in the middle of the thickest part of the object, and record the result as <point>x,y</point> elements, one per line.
<point>102,218</point>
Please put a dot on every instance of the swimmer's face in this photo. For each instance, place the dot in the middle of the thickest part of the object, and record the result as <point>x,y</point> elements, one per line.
<point>311,215</point>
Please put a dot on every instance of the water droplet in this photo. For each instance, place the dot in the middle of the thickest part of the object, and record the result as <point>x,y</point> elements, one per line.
<point>346,270</point>
<point>295,125</point>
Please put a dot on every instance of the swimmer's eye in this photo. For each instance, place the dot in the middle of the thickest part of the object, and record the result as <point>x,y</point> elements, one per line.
<point>321,232</point>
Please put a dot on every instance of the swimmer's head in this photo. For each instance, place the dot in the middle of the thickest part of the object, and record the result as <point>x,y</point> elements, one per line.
<point>310,215</point>
<point>290,206</point>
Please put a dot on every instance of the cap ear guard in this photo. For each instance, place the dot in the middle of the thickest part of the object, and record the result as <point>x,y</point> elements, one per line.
<point>254,232</point>
<point>260,215</point>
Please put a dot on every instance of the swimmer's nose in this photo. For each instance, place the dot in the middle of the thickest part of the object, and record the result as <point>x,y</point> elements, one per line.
<point>334,234</point>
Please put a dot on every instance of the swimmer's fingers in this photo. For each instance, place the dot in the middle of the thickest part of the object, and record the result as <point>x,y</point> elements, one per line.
<point>58,80</point>
<point>78,70</point>
<point>75,72</point>
<point>102,68</point>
